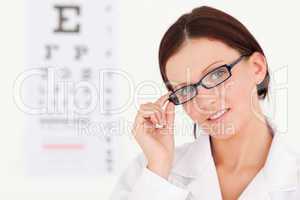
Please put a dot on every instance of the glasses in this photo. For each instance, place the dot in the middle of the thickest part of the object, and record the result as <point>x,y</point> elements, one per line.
<point>208,81</point>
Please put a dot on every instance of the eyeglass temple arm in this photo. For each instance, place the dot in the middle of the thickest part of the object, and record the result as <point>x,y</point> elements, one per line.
<point>238,60</point>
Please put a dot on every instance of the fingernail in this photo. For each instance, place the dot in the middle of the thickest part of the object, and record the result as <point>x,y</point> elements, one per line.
<point>159,126</point>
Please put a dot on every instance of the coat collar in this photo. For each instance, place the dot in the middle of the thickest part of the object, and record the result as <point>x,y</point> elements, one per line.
<point>280,170</point>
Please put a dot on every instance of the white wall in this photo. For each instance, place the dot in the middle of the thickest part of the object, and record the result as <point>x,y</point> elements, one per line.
<point>143,22</point>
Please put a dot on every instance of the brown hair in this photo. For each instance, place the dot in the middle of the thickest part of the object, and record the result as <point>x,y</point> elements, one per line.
<point>209,22</point>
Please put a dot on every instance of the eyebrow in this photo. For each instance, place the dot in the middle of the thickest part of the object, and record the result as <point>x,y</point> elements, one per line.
<point>205,70</point>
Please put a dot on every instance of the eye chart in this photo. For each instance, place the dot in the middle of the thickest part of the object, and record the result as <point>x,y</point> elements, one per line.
<point>68,87</point>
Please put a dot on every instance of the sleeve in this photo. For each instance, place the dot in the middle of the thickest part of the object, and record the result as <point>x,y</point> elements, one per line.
<point>137,182</point>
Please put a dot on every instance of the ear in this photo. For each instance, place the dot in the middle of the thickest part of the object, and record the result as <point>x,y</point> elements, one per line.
<point>258,66</point>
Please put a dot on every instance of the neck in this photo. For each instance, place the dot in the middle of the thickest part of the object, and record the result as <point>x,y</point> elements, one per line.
<point>247,148</point>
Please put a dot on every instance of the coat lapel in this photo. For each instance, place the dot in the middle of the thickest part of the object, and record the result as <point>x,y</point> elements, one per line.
<point>206,186</point>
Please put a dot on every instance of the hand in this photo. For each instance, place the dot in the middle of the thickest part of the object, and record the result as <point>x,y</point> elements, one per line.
<point>157,143</point>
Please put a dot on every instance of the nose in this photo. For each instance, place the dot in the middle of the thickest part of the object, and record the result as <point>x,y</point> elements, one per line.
<point>206,101</point>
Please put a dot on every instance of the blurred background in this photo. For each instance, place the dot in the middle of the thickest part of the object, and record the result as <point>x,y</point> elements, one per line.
<point>74,72</point>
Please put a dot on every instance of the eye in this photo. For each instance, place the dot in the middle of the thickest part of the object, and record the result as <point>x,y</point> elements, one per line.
<point>215,75</point>
<point>185,91</point>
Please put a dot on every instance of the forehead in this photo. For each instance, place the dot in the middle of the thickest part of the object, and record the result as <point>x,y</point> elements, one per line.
<point>195,55</point>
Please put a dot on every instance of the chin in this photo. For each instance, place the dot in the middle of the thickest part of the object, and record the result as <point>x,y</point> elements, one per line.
<point>222,131</point>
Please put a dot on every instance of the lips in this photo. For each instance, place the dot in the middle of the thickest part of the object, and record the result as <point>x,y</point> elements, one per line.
<point>218,115</point>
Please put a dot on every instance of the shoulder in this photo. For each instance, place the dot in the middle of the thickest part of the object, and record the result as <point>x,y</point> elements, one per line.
<point>294,153</point>
<point>287,155</point>
<point>291,150</point>
<point>284,147</point>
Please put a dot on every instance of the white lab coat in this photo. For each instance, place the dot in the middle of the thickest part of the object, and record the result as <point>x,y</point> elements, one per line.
<point>194,177</point>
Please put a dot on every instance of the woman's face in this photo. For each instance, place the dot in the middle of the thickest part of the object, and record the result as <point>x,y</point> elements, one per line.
<point>237,95</point>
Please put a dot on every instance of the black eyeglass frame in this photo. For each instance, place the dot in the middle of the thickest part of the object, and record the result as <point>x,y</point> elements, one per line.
<point>174,99</point>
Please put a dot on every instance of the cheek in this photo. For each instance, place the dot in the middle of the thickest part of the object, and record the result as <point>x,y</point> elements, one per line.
<point>195,110</point>
<point>211,100</point>
<point>235,93</point>
<point>240,94</point>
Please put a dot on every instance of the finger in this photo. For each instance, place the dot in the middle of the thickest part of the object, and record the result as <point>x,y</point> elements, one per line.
<point>166,134</point>
<point>159,113</point>
<point>149,114</point>
<point>146,122</point>
<point>162,100</point>
<point>154,120</point>
<point>162,115</point>
<point>164,118</point>
<point>170,116</point>
<point>152,112</point>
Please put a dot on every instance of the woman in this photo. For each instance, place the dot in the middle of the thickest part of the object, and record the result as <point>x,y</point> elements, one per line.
<point>215,69</point>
